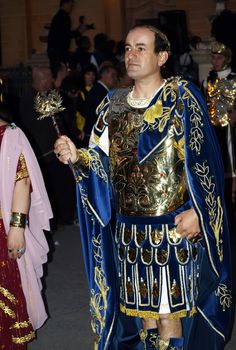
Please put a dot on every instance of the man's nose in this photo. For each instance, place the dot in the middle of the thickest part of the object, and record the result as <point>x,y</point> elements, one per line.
<point>132,53</point>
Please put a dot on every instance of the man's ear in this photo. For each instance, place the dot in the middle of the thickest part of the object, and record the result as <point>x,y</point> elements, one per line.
<point>163,57</point>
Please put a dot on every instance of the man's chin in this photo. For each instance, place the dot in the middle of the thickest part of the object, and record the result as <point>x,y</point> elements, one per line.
<point>132,74</point>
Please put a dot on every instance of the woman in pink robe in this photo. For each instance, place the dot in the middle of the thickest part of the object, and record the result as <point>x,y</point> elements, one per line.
<point>22,191</point>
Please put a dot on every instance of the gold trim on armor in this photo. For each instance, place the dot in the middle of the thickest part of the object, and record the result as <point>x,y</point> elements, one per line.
<point>128,295</point>
<point>173,237</point>
<point>156,236</point>
<point>155,285</point>
<point>156,315</point>
<point>140,286</point>
<point>173,287</point>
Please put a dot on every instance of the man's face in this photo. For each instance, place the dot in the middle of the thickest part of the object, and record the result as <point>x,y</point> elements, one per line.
<point>140,59</point>
<point>89,78</point>
<point>217,61</point>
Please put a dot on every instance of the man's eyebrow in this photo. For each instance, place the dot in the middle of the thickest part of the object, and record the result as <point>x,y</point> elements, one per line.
<point>137,44</point>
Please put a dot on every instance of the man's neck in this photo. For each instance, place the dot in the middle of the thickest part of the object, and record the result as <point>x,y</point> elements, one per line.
<point>147,88</point>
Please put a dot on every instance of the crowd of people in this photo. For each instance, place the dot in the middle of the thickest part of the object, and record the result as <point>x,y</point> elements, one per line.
<point>150,204</point>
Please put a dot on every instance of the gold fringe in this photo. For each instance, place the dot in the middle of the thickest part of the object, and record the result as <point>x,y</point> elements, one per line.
<point>83,157</point>
<point>156,315</point>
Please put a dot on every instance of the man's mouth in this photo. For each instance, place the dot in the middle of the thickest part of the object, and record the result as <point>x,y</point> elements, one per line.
<point>132,64</point>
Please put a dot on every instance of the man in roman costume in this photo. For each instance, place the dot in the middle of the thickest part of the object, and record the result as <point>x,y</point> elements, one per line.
<point>151,211</point>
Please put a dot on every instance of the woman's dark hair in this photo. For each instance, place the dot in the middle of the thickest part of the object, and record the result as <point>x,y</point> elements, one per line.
<point>5,114</point>
<point>89,68</point>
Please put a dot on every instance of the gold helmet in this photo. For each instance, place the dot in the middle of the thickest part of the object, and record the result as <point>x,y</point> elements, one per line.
<point>222,49</point>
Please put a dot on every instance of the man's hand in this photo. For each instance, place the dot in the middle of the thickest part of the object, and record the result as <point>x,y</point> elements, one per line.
<point>65,149</point>
<point>187,224</point>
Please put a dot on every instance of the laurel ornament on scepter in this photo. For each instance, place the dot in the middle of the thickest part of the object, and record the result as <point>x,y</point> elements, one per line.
<point>48,104</point>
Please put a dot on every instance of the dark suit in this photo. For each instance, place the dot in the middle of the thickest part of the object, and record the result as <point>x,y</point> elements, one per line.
<point>59,37</point>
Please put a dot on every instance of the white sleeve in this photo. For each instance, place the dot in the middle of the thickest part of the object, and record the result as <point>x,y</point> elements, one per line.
<point>102,143</point>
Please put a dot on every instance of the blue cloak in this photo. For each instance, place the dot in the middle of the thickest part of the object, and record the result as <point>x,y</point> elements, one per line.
<point>208,328</point>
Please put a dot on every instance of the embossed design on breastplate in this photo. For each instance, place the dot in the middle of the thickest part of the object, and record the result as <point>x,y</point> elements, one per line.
<point>153,188</point>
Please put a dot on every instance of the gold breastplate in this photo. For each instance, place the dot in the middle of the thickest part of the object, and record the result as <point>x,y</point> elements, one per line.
<point>157,186</point>
<point>221,100</point>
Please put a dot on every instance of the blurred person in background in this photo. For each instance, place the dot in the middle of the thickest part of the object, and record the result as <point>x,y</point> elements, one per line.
<point>99,55</point>
<point>220,91</point>
<point>80,59</point>
<point>88,78</point>
<point>107,80</point>
<point>60,33</point>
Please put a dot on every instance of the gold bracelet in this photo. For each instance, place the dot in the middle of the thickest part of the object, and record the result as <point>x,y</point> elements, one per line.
<point>18,220</point>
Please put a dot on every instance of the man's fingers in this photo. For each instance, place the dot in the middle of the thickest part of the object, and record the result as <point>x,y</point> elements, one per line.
<point>65,156</point>
<point>62,150</point>
<point>60,140</point>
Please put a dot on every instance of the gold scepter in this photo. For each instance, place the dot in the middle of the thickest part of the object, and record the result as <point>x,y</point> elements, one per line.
<point>48,104</point>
